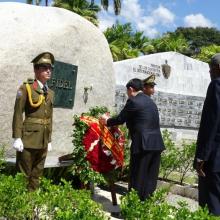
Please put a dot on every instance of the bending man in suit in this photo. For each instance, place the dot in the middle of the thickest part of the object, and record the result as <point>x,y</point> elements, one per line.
<point>142,119</point>
<point>207,157</point>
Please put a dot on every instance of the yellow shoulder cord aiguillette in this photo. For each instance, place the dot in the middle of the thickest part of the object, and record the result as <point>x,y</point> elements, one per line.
<point>40,100</point>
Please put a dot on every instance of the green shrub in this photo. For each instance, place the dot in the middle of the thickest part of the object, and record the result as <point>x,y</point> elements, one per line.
<point>155,208</point>
<point>176,160</point>
<point>97,111</point>
<point>169,162</point>
<point>48,202</point>
<point>185,160</point>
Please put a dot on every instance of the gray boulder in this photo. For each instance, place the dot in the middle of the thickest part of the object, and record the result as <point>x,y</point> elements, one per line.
<point>28,30</point>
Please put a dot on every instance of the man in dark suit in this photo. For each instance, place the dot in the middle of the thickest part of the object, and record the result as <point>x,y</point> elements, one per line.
<point>142,119</point>
<point>207,156</point>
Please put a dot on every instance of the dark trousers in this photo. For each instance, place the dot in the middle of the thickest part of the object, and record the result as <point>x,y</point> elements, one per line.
<point>31,163</point>
<point>209,192</point>
<point>144,170</point>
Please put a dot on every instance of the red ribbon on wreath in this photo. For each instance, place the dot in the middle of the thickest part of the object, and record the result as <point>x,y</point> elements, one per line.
<point>104,146</point>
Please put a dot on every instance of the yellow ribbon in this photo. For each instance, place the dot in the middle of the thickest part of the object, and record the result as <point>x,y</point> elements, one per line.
<point>40,100</point>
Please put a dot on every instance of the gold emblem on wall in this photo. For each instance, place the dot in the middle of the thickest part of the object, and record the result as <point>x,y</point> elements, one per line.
<point>166,69</point>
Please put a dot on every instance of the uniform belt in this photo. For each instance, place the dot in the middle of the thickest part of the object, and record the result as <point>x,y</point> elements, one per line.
<point>44,121</point>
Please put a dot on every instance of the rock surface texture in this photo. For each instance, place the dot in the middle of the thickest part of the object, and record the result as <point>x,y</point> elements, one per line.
<point>28,30</point>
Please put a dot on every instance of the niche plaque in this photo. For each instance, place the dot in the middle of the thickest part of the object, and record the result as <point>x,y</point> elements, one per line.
<point>63,83</point>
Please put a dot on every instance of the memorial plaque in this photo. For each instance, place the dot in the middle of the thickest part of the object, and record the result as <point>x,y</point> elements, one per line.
<point>186,110</point>
<point>175,110</point>
<point>63,83</point>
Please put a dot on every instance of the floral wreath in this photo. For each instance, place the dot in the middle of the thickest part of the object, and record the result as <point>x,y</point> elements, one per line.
<point>104,146</point>
<point>98,150</point>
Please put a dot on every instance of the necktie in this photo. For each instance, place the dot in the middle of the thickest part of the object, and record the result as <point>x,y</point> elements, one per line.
<point>45,89</point>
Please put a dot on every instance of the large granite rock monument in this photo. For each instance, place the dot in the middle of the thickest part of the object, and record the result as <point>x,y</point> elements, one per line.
<point>181,87</point>
<point>28,30</point>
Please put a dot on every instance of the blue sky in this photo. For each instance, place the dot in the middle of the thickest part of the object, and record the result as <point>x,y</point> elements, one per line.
<point>156,17</point>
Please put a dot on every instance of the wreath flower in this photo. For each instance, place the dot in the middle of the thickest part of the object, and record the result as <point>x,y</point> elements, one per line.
<point>104,146</point>
<point>98,150</point>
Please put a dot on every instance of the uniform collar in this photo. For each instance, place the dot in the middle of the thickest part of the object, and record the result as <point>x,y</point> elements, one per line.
<point>40,84</point>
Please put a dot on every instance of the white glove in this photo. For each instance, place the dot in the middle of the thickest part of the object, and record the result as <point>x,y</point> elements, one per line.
<point>49,147</point>
<point>106,116</point>
<point>18,144</point>
<point>103,119</point>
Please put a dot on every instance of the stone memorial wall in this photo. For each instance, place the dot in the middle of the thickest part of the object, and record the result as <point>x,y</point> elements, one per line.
<point>180,93</point>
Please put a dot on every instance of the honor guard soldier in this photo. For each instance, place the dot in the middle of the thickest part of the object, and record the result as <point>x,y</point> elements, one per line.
<point>32,121</point>
<point>149,84</point>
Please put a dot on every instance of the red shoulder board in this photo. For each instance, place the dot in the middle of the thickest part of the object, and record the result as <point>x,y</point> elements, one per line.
<point>35,85</point>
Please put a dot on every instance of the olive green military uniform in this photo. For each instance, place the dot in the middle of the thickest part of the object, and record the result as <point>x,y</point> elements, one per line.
<point>34,129</point>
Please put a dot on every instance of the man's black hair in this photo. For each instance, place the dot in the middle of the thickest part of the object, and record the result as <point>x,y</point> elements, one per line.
<point>136,84</point>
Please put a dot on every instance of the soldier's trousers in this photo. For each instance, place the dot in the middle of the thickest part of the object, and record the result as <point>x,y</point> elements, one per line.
<point>144,171</point>
<point>31,163</point>
<point>209,192</point>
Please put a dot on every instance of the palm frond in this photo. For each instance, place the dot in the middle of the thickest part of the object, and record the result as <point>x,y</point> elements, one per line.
<point>117,7</point>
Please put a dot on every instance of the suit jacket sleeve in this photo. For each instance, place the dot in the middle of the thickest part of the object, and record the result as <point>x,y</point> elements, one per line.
<point>17,123</point>
<point>210,121</point>
<point>124,115</point>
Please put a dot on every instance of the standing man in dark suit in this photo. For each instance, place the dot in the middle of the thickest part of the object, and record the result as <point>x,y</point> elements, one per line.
<point>142,119</point>
<point>207,157</point>
<point>32,133</point>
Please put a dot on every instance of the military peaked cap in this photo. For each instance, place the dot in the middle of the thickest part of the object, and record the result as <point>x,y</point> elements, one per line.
<point>44,58</point>
<point>150,80</point>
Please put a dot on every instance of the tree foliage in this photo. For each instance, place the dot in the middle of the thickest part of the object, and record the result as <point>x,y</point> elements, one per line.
<point>169,42</point>
<point>104,4</point>
<point>199,36</point>
<point>116,5</point>
<point>200,43</point>
<point>124,43</point>
<point>36,2</point>
<point>207,52</point>
<point>33,2</point>
<point>81,7</point>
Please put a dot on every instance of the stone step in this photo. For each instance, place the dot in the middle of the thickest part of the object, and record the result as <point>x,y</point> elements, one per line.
<point>102,195</point>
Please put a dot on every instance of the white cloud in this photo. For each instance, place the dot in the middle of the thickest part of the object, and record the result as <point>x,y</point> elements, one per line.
<point>133,13</point>
<point>131,10</point>
<point>106,20</point>
<point>163,15</point>
<point>197,20</point>
<point>159,16</point>
<point>147,24</point>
